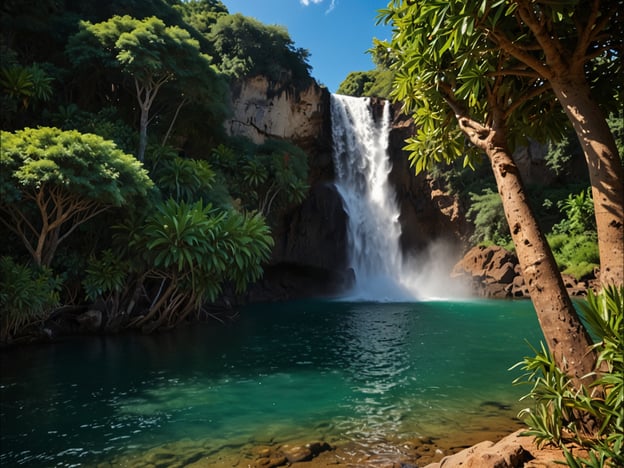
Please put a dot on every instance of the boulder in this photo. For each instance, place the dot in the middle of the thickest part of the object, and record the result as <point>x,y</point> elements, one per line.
<point>495,272</point>
<point>491,271</point>
<point>89,321</point>
<point>513,451</point>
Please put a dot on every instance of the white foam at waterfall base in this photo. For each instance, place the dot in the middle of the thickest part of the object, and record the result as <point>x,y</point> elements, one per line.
<point>362,167</point>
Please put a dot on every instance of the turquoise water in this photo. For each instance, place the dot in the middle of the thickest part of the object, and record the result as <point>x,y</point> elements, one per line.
<point>346,371</point>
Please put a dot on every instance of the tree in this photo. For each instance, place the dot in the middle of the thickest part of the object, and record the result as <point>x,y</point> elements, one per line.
<point>52,181</point>
<point>558,42</point>
<point>574,48</point>
<point>265,178</point>
<point>153,54</point>
<point>457,97</point>
<point>179,256</point>
<point>202,14</point>
<point>374,83</point>
<point>246,47</point>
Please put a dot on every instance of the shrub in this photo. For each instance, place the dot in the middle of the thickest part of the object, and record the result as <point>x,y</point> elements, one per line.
<point>576,254</point>
<point>559,409</point>
<point>487,214</point>
<point>27,295</point>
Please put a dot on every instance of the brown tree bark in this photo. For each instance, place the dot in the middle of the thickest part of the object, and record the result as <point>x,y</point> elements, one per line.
<point>566,337</point>
<point>605,172</point>
<point>563,66</point>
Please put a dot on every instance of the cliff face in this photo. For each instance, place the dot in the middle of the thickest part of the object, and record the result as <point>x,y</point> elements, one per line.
<point>264,109</point>
<point>428,213</point>
<point>309,257</point>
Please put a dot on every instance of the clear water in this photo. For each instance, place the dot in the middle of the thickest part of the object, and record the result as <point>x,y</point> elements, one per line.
<point>339,370</point>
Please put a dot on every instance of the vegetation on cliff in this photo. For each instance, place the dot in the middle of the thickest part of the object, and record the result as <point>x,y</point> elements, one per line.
<point>119,187</point>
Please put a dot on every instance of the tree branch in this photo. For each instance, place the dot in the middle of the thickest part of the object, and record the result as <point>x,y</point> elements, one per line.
<point>526,97</point>
<point>476,133</point>
<point>519,53</point>
<point>550,44</point>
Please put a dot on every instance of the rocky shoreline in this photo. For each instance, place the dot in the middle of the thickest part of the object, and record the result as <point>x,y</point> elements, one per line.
<point>512,450</point>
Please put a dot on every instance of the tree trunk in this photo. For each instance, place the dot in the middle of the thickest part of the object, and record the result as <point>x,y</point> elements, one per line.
<point>605,172</point>
<point>566,337</point>
<point>144,121</point>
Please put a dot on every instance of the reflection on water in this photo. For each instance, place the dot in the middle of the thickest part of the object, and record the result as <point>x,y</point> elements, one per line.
<point>305,370</point>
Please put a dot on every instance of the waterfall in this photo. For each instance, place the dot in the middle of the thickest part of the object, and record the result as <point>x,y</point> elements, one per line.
<point>362,166</point>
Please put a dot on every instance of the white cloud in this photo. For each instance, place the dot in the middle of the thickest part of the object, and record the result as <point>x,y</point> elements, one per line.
<point>332,5</point>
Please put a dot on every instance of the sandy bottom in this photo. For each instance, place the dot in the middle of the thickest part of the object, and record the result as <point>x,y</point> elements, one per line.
<point>392,451</point>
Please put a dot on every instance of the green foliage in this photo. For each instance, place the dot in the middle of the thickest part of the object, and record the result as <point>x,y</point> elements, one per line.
<point>202,14</point>
<point>23,83</point>
<point>72,65</point>
<point>153,54</point>
<point>558,407</point>
<point>106,123</point>
<point>574,240</point>
<point>576,255</point>
<point>51,181</point>
<point>374,83</point>
<point>445,65</point>
<point>181,255</point>
<point>27,295</point>
<point>579,214</point>
<point>184,179</point>
<point>84,165</point>
<point>246,47</point>
<point>266,178</point>
<point>487,214</point>
<point>105,275</point>
<point>22,86</point>
<point>561,154</point>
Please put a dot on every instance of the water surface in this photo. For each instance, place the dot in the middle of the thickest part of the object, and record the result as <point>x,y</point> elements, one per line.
<point>343,371</point>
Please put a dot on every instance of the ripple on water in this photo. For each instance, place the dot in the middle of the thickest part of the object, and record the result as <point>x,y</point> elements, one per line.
<point>361,376</point>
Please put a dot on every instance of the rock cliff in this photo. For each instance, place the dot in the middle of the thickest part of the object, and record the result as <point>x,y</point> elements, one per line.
<point>264,109</point>
<point>309,257</point>
<point>428,212</point>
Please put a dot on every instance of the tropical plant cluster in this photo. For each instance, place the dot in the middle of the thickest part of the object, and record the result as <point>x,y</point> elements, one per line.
<point>557,407</point>
<point>118,185</point>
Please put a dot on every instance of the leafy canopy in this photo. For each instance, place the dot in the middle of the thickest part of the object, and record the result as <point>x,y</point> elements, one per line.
<point>446,65</point>
<point>246,47</point>
<point>84,165</point>
<point>52,181</point>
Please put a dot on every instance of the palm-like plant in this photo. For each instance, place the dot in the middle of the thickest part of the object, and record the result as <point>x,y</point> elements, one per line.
<point>558,406</point>
<point>181,255</point>
<point>23,83</point>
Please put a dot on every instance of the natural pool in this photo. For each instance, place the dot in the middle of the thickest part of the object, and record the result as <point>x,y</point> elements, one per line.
<point>338,371</point>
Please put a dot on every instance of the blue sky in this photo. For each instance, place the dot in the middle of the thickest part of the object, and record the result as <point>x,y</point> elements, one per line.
<point>336,32</point>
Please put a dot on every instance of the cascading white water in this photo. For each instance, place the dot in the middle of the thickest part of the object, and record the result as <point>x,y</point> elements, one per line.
<point>362,167</point>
